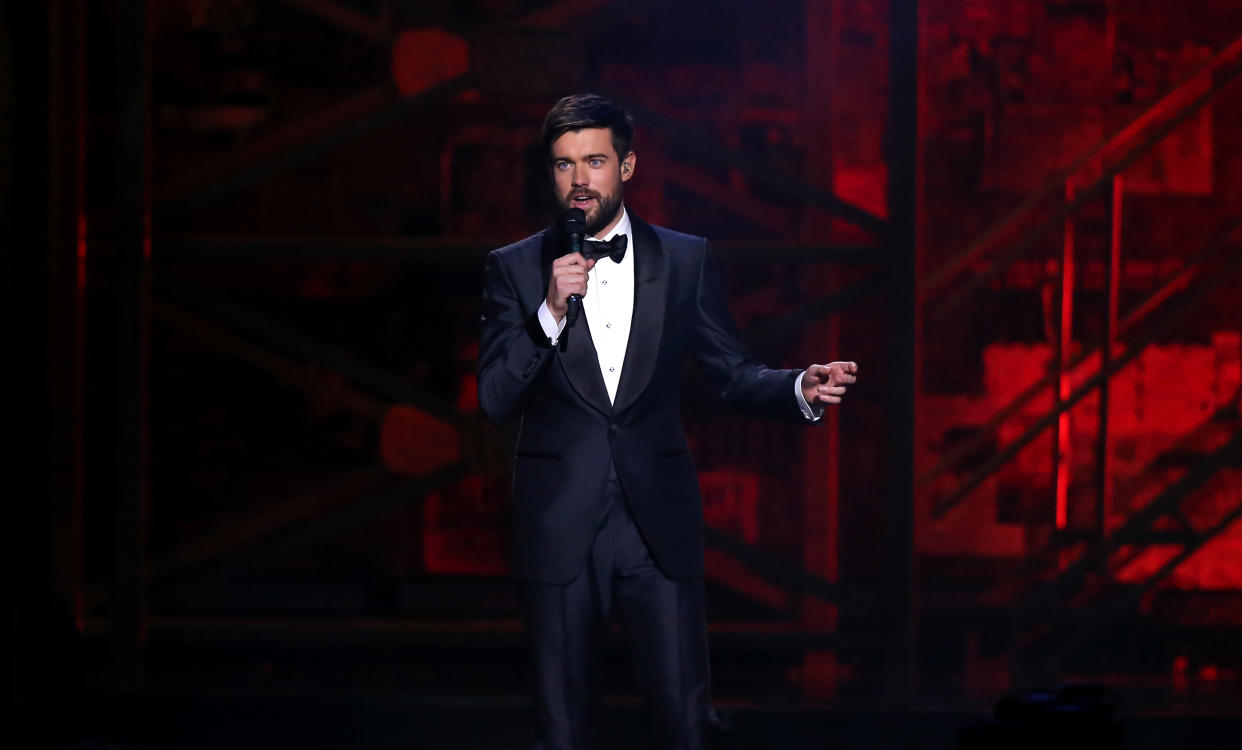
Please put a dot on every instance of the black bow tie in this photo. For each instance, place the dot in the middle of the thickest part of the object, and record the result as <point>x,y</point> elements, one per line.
<point>614,248</point>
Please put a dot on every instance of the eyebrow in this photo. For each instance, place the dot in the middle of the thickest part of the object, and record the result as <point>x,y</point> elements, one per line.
<point>588,156</point>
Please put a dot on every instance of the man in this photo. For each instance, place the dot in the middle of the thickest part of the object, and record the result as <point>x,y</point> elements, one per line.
<point>605,501</point>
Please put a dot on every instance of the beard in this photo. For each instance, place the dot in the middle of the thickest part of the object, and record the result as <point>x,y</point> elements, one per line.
<point>601,214</point>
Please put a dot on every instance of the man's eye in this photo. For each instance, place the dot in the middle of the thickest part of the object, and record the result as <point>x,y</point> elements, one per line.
<point>596,162</point>
<point>562,165</point>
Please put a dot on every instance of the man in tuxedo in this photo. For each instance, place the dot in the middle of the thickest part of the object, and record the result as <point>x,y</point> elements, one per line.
<point>605,503</point>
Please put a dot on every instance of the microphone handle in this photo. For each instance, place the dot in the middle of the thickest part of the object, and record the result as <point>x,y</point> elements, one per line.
<point>575,301</point>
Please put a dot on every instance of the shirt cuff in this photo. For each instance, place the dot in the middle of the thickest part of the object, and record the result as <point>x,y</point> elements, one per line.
<point>551,328</point>
<point>812,413</point>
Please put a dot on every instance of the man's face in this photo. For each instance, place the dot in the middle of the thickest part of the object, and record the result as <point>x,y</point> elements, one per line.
<point>587,174</point>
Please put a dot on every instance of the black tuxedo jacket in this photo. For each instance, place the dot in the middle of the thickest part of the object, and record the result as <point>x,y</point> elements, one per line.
<point>569,432</point>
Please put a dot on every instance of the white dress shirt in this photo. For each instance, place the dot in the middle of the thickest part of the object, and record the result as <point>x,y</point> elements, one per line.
<point>609,308</point>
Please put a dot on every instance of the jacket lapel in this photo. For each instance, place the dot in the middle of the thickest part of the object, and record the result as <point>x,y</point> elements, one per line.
<point>647,325</point>
<point>577,350</point>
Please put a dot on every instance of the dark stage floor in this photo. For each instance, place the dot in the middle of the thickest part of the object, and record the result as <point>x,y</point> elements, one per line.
<point>237,721</point>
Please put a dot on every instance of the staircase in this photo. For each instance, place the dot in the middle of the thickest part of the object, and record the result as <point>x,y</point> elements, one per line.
<point>1104,543</point>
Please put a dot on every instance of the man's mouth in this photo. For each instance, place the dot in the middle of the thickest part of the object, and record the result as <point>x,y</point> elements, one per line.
<point>581,201</point>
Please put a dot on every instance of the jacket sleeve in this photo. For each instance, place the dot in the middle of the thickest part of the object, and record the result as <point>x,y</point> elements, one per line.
<point>513,349</point>
<point>743,382</point>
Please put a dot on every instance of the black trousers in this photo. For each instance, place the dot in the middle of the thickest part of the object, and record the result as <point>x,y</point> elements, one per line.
<point>665,624</point>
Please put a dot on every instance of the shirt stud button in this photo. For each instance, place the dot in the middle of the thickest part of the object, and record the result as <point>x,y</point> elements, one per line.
<point>608,325</point>
<point>612,369</point>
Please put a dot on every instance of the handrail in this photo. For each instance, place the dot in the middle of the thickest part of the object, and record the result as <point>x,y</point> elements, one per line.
<point>1091,616</point>
<point>1082,196</point>
<point>1173,285</point>
<point>1040,560</point>
<point>1179,101</point>
<point>999,459</point>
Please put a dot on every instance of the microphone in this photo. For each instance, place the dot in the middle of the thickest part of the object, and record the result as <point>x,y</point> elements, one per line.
<point>573,228</point>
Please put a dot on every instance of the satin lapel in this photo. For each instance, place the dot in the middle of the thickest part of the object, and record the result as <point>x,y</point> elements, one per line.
<point>547,254</point>
<point>578,358</point>
<point>647,326</point>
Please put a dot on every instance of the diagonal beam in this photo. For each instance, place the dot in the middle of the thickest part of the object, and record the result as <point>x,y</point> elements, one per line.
<point>283,370</point>
<point>1178,97</point>
<point>365,110</point>
<point>1047,556</point>
<point>774,330</point>
<point>346,19</point>
<point>1172,286</point>
<point>1091,618</point>
<point>305,129</point>
<point>1141,522</point>
<point>303,140</point>
<point>590,17</point>
<point>253,528</point>
<point>942,307</point>
<point>791,577</point>
<point>775,219</point>
<point>1000,458</point>
<point>482,445</point>
<point>754,167</point>
<point>330,524</point>
<point>564,13</point>
<point>393,387</point>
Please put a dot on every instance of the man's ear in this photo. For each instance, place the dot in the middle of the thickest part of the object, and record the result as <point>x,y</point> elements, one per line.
<point>627,166</point>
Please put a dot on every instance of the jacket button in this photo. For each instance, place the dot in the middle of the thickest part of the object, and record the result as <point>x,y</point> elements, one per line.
<point>612,427</point>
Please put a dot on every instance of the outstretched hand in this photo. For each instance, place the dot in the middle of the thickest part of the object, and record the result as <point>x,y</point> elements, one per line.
<point>825,384</point>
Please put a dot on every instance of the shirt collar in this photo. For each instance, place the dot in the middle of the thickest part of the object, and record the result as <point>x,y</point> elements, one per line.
<point>622,227</point>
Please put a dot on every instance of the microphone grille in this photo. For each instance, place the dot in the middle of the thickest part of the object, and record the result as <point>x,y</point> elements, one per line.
<point>573,221</point>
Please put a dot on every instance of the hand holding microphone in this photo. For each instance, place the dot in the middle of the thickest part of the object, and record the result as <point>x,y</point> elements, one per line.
<point>568,282</point>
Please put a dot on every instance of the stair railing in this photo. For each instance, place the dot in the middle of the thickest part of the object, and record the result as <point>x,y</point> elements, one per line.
<point>1013,235</point>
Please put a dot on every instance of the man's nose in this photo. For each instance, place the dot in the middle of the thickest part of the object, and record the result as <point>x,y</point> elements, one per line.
<point>580,176</point>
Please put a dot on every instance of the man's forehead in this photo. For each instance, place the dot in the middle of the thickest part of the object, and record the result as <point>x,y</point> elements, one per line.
<point>583,142</point>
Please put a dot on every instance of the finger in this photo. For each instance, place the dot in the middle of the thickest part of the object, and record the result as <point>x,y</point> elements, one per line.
<point>817,373</point>
<point>572,259</point>
<point>833,390</point>
<point>825,398</point>
<point>842,372</point>
<point>589,263</point>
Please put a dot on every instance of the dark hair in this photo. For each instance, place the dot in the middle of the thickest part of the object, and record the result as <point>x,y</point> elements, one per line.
<point>579,111</point>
